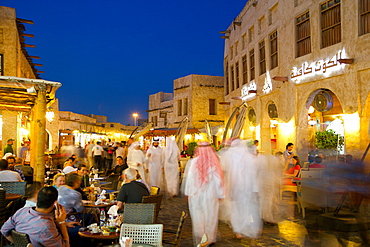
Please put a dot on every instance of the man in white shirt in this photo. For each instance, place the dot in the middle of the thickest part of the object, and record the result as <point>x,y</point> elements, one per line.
<point>155,164</point>
<point>8,175</point>
<point>98,154</point>
<point>89,154</point>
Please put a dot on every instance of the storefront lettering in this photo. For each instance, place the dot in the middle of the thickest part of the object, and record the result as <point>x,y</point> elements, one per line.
<point>249,90</point>
<point>324,67</point>
<point>267,86</point>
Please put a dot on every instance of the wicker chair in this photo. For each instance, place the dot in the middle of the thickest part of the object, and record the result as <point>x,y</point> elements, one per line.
<point>21,239</point>
<point>114,182</point>
<point>2,213</point>
<point>14,187</point>
<point>143,234</point>
<point>138,213</point>
<point>157,200</point>
<point>176,242</point>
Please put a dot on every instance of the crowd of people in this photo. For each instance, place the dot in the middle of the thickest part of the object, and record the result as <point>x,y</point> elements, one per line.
<point>137,170</point>
<point>236,185</point>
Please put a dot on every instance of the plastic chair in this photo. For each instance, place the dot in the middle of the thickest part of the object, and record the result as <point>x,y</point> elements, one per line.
<point>143,234</point>
<point>176,242</point>
<point>138,213</point>
<point>154,190</point>
<point>21,239</point>
<point>157,200</point>
<point>14,187</point>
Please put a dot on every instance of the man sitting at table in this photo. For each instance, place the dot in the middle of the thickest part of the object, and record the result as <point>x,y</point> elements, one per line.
<point>132,191</point>
<point>7,175</point>
<point>120,166</point>
<point>38,222</point>
<point>317,163</point>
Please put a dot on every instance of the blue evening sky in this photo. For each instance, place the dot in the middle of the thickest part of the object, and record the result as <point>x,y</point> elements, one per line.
<point>111,55</point>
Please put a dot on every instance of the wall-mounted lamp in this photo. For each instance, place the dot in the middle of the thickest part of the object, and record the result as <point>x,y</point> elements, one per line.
<point>280,78</point>
<point>50,114</point>
<point>346,60</point>
<point>273,123</point>
<point>312,122</point>
<point>236,98</point>
<point>31,90</point>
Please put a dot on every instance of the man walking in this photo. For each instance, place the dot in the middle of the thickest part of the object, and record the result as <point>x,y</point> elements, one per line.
<point>155,164</point>
<point>98,154</point>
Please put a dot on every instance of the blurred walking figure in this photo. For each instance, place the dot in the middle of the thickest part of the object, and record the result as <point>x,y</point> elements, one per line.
<point>89,154</point>
<point>136,159</point>
<point>269,179</point>
<point>155,164</point>
<point>241,169</point>
<point>171,157</point>
<point>204,188</point>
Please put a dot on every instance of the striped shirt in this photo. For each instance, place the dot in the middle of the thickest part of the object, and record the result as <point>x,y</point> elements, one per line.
<point>40,228</point>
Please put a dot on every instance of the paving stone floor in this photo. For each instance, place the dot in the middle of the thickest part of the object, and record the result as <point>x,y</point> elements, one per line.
<point>294,231</point>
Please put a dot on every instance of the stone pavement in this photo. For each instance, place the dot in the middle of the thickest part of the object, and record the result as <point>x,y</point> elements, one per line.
<point>294,231</point>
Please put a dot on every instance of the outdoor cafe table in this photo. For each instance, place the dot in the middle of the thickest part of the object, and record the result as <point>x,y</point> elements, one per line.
<point>100,205</point>
<point>99,236</point>
<point>12,196</point>
<point>133,245</point>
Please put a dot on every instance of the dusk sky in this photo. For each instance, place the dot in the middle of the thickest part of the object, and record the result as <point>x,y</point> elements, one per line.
<point>111,55</point>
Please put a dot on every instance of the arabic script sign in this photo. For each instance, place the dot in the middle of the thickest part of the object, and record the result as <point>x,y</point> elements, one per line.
<point>249,90</point>
<point>320,67</point>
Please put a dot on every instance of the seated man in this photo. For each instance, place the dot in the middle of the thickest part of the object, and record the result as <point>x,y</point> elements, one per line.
<point>31,193</point>
<point>27,169</point>
<point>38,222</point>
<point>11,164</point>
<point>120,166</point>
<point>317,163</point>
<point>68,166</point>
<point>7,175</point>
<point>132,191</point>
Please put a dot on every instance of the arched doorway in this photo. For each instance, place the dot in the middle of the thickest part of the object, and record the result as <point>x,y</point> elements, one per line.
<point>273,115</point>
<point>325,114</point>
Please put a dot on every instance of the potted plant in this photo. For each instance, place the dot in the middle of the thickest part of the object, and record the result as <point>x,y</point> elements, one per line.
<point>191,148</point>
<point>329,141</point>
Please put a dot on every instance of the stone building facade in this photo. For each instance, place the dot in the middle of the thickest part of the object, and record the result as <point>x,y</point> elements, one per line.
<point>195,97</point>
<point>77,128</point>
<point>301,67</point>
<point>14,61</point>
<point>160,109</point>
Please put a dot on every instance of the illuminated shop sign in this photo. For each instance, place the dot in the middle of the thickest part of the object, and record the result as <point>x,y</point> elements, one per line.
<point>321,67</point>
<point>249,90</point>
<point>267,85</point>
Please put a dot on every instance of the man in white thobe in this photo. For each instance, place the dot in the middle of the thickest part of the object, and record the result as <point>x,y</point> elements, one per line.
<point>136,159</point>
<point>204,188</point>
<point>171,157</point>
<point>241,170</point>
<point>155,164</point>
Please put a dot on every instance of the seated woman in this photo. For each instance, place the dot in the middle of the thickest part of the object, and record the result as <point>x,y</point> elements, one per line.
<point>292,170</point>
<point>68,197</point>
<point>71,200</point>
<point>58,180</point>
